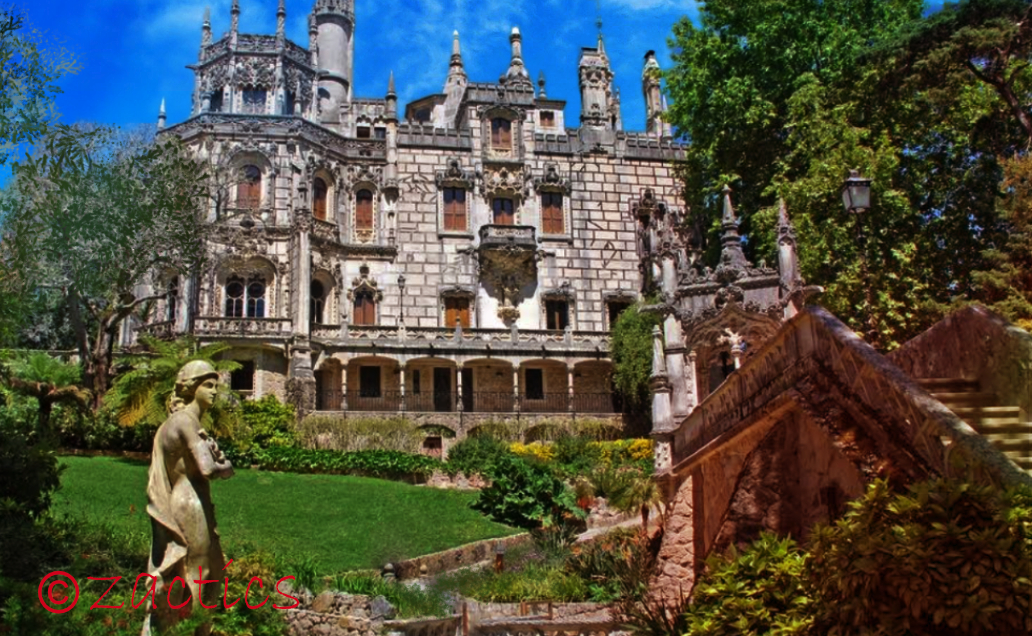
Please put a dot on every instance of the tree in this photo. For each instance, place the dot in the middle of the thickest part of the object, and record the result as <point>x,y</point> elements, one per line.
<point>105,218</point>
<point>733,77</point>
<point>631,350</point>
<point>29,69</point>
<point>48,380</point>
<point>141,395</point>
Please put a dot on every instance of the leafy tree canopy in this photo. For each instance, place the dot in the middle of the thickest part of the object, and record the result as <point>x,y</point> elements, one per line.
<point>105,217</point>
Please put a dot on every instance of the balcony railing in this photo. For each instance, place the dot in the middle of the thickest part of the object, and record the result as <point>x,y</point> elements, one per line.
<point>470,402</point>
<point>502,235</point>
<point>164,330</point>
<point>246,327</point>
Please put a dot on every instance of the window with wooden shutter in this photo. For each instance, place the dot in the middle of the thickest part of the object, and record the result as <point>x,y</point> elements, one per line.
<point>319,192</point>
<point>249,190</point>
<point>553,221</point>
<point>557,314</point>
<point>503,212</point>
<point>364,210</point>
<point>456,309</point>
<point>455,209</point>
<point>501,134</point>
<point>365,309</point>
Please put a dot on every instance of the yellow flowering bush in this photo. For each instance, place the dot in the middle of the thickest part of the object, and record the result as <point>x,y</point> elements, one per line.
<point>624,451</point>
<point>542,451</point>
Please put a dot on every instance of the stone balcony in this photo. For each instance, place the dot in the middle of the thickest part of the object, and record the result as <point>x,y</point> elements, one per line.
<point>221,326</point>
<point>508,255</point>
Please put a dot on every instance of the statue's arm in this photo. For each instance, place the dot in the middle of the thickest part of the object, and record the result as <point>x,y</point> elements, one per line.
<point>210,461</point>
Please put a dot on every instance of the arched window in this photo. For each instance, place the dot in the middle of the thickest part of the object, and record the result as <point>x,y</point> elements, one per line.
<point>364,210</point>
<point>249,190</point>
<point>552,221</point>
<point>501,134</point>
<point>503,211</point>
<point>172,299</point>
<point>319,191</point>
<point>254,101</point>
<point>245,297</point>
<point>365,309</point>
<point>318,302</point>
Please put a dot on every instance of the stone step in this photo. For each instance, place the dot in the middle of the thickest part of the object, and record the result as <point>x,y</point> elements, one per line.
<point>976,398</point>
<point>1024,463</point>
<point>964,412</point>
<point>951,385</point>
<point>1010,427</point>
<point>1006,443</point>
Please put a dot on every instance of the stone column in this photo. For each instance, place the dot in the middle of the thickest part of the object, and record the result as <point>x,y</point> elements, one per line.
<point>691,380</point>
<point>669,268</point>
<point>344,386</point>
<point>569,384</point>
<point>303,281</point>
<point>674,347</point>
<point>401,368</point>
<point>516,388</point>
<point>458,388</point>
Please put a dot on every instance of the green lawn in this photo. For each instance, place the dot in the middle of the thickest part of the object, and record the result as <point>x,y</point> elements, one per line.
<point>343,522</point>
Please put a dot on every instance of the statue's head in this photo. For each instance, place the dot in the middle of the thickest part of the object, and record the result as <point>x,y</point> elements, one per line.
<point>190,377</point>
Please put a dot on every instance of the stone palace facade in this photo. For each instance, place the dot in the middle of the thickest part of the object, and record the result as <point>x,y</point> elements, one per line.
<point>467,253</point>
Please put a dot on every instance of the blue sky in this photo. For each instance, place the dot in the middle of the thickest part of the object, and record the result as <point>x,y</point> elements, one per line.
<point>134,52</point>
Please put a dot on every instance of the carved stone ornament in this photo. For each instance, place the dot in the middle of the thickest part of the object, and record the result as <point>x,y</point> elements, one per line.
<point>455,175</point>
<point>364,174</point>
<point>503,181</point>
<point>255,71</point>
<point>552,180</point>
<point>645,206</point>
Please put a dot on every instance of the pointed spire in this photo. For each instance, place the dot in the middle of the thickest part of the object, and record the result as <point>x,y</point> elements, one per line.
<point>786,231</point>
<point>731,255</point>
<point>234,22</point>
<point>456,69</point>
<point>390,85</point>
<point>541,85</point>
<point>281,19</point>
<point>161,115</point>
<point>206,27</point>
<point>517,74</point>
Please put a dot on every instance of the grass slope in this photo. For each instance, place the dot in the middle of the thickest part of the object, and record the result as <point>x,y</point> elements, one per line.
<point>343,522</point>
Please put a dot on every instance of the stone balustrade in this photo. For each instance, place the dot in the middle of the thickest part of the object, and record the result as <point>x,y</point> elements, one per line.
<point>815,342</point>
<point>220,326</point>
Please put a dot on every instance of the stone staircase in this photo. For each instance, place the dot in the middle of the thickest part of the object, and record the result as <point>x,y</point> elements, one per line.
<point>983,412</point>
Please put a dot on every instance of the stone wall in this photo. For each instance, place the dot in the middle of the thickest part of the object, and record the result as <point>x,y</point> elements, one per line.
<point>462,556</point>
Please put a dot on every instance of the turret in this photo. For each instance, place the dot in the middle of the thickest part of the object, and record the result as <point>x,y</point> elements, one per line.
<point>517,75</point>
<point>655,105</point>
<point>596,87</point>
<point>335,31</point>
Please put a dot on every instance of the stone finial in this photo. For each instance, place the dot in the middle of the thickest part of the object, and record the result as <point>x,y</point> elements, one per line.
<point>517,74</point>
<point>161,115</point>
<point>234,22</point>
<point>390,85</point>
<point>541,85</point>
<point>729,210</point>
<point>659,369</point>
<point>206,28</point>
<point>731,254</point>
<point>456,69</point>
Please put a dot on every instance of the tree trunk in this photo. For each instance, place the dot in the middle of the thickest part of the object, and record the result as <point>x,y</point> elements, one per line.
<point>46,406</point>
<point>100,360</point>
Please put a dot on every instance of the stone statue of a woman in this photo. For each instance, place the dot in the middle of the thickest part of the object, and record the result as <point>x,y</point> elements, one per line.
<point>185,542</point>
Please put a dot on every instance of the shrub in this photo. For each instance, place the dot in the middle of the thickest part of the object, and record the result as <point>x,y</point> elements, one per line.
<point>616,566</point>
<point>945,558</point>
<point>540,451</point>
<point>370,463</point>
<point>364,433</point>
<point>526,495</point>
<point>409,601</point>
<point>534,582</point>
<point>480,454</point>
<point>758,591</point>
<point>269,421</point>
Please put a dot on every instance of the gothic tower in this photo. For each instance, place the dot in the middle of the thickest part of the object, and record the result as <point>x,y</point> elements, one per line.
<point>599,108</point>
<point>654,103</point>
<point>335,41</point>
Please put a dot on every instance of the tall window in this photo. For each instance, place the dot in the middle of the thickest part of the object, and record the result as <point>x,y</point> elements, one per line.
<point>615,308</point>
<point>319,191</point>
<point>365,309</point>
<point>552,220</point>
<point>503,212</point>
<point>318,301</point>
<point>455,209</point>
<point>288,103</point>
<point>249,190</point>
<point>254,101</point>
<point>557,314</point>
<point>364,210</point>
<point>547,119</point>
<point>215,102</point>
<point>245,298</point>
<point>456,310</point>
<point>501,134</point>
<point>172,299</point>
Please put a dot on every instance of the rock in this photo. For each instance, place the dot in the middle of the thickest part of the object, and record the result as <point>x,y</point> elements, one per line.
<point>323,603</point>
<point>381,608</point>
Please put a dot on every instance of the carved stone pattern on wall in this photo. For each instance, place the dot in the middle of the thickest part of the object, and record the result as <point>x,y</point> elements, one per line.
<point>553,180</point>
<point>252,71</point>
<point>455,175</point>
<point>503,181</point>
